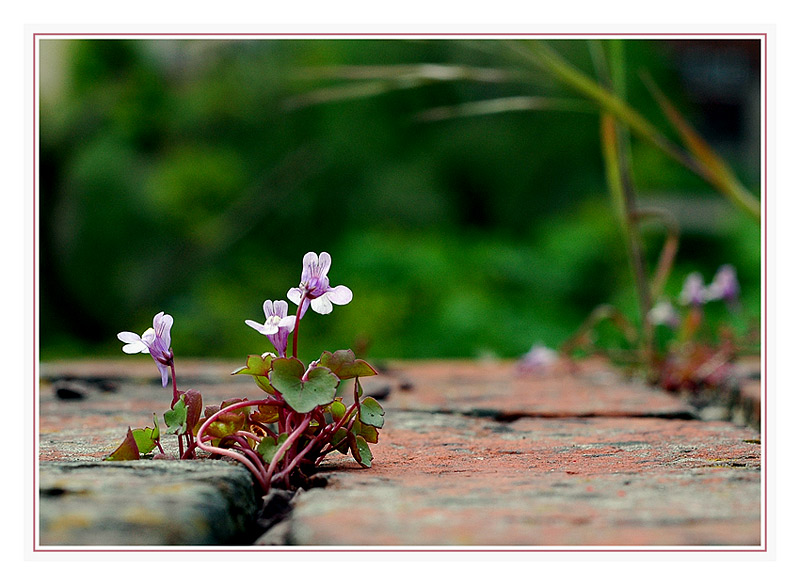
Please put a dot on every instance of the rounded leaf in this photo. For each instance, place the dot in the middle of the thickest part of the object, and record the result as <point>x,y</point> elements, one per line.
<point>371,412</point>
<point>344,364</point>
<point>303,395</point>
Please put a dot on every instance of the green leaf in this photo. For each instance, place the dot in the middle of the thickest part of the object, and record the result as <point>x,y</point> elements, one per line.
<point>127,451</point>
<point>175,418</point>
<point>144,439</point>
<point>266,414</point>
<point>361,452</point>
<point>344,364</point>
<point>359,389</point>
<point>156,435</point>
<point>318,389</point>
<point>228,422</point>
<point>258,366</point>
<point>341,436</point>
<point>263,383</point>
<point>337,410</point>
<point>268,447</point>
<point>371,412</point>
<point>369,432</point>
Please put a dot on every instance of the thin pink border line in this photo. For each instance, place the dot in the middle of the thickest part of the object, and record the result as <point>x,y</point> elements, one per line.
<point>272,549</point>
<point>415,34</point>
<point>764,317</point>
<point>378,36</point>
<point>35,302</point>
<point>678,36</point>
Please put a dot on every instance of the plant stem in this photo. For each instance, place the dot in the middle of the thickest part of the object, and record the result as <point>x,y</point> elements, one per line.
<point>190,445</point>
<point>340,422</point>
<point>668,250</point>
<point>616,148</point>
<point>255,466</point>
<point>349,426</point>
<point>175,396</point>
<point>297,325</point>
<point>285,472</point>
<point>285,447</point>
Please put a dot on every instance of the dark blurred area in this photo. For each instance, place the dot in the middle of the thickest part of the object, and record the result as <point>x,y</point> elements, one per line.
<point>174,178</point>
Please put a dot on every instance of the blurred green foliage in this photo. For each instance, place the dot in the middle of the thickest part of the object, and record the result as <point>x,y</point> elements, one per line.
<point>174,178</point>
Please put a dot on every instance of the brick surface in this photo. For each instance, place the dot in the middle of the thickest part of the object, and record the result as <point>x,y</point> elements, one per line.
<point>92,426</point>
<point>454,480</point>
<point>496,389</point>
<point>138,503</point>
<point>471,455</point>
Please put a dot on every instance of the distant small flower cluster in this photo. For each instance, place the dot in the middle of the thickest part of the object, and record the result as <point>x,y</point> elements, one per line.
<point>283,437</point>
<point>688,348</point>
<point>539,360</point>
<point>724,287</point>
<point>692,356</point>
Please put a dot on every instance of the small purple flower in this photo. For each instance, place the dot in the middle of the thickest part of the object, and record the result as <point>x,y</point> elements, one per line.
<point>725,286</point>
<point>694,292</point>
<point>156,341</point>
<point>538,360</point>
<point>315,289</point>
<point>277,325</point>
<point>663,313</point>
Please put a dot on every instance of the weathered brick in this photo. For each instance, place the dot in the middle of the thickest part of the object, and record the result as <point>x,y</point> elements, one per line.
<point>497,389</point>
<point>471,454</point>
<point>145,503</point>
<point>454,480</point>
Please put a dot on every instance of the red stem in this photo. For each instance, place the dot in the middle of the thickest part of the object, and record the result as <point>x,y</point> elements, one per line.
<point>336,428</point>
<point>339,423</point>
<point>297,325</point>
<point>296,460</point>
<point>285,447</point>
<point>256,468</point>
<point>175,396</point>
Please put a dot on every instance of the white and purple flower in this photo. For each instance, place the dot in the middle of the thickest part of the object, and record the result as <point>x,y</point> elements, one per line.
<point>725,286</point>
<point>277,325</point>
<point>315,289</point>
<point>694,291</point>
<point>663,313</point>
<point>156,341</point>
<point>538,360</point>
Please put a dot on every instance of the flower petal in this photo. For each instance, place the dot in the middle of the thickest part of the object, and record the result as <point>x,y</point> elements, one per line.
<point>148,337</point>
<point>310,261</point>
<point>268,310</point>
<point>339,295</point>
<point>135,347</point>
<point>162,323</point>
<point>294,295</point>
<point>287,323</point>
<point>324,264</point>
<point>322,305</point>
<point>264,329</point>
<point>164,372</point>
<point>128,337</point>
<point>280,308</point>
<point>304,307</point>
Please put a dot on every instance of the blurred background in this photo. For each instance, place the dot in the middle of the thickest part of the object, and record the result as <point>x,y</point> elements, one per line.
<point>191,176</point>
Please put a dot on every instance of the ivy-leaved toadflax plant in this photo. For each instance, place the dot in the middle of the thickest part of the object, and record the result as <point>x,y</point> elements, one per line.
<point>283,437</point>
